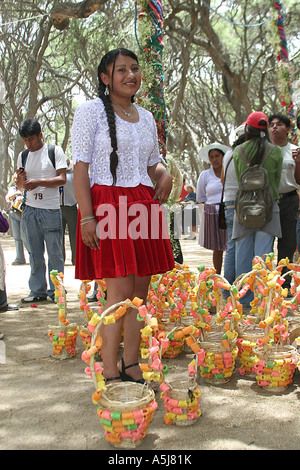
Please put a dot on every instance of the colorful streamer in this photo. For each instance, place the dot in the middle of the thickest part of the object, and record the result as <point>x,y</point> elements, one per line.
<point>284,67</point>
<point>149,22</point>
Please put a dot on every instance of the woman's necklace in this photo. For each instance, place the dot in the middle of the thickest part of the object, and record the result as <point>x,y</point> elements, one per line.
<point>125,112</point>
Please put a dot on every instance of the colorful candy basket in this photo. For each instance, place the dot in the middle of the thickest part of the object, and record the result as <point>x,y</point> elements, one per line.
<point>181,398</point>
<point>125,409</point>
<point>275,367</point>
<point>247,340</point>
<point>217,363</point>
<point>63,336</point>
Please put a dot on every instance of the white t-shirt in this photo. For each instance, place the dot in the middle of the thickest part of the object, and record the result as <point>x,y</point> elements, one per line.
<point>231,183</point>
<point>137,145</point>
<point>287,180</point>
<point>38,165</point>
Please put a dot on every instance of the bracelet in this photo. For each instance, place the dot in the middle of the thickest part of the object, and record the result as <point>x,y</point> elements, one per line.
<point>86,220</point>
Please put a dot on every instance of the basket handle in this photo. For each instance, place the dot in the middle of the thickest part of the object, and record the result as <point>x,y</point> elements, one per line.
<point>93,349</point>
<point>57,279</point>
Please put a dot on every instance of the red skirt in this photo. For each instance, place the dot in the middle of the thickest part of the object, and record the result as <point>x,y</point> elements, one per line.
<point>132,232</point>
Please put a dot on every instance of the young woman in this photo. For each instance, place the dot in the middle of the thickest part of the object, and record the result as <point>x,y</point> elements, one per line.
<point>121,233</point>
<point>209,191</point>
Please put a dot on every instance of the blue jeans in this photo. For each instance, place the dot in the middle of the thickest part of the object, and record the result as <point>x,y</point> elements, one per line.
<point>42,227</point>
<point>254,244</point>
<point>18,237</point>
<point>229,262</point>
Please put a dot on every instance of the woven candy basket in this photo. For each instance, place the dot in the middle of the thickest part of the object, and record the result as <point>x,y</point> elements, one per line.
<point>84,333</point>
<point>181,398</point>
<point>217,363</point>
<point>247,340</point>
<point>275,367</point>
<point>63,336</point>
<point>125,409</point>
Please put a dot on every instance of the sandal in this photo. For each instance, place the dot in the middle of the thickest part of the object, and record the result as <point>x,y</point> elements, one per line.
<point>127,378</point>
<point>111,379</point>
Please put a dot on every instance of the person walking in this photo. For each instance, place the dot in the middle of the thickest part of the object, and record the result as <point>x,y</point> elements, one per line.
<point>116,158</point>
<point>40,178</point>
<point>15,198</point>
<point>209,191</point>
<point>256,241</point>
<point>68,207</point>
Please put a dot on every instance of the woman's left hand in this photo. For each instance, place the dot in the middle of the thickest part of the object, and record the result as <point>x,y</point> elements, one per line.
<point>163,188</point>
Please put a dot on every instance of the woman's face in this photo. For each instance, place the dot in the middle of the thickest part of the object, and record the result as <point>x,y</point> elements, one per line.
<point>126,79</point>
<point>215,158</point>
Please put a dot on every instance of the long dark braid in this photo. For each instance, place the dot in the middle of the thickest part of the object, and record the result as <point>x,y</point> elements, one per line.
<point>108,59</point>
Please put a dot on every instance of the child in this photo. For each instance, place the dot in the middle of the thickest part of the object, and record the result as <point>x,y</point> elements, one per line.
<point>116,157</point>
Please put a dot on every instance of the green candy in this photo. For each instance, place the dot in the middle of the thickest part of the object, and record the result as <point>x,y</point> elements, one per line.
<point>201,268</point>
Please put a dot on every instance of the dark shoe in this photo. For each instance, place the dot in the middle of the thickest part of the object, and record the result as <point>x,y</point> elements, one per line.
<point>127,378</point>
<point>31,299</point>
<point>9,307</point>
<point>111,379</point>
<point>92,298</point>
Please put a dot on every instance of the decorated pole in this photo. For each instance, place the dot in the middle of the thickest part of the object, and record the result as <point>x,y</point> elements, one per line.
<point>149,36</point>
<point>285,74</point>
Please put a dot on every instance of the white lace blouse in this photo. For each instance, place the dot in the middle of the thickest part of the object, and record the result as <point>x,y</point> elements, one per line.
<point>137,145</point>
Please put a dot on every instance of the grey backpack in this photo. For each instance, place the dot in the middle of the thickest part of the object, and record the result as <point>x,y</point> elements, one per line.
<point>254,198</point>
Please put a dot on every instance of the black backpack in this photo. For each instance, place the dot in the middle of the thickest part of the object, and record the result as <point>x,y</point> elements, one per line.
<point>51,155</point>
<point>254,198</point>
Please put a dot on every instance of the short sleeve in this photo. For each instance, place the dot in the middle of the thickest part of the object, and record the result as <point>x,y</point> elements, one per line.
<point>83,133</point>
<point>154,156</point>
<point>60,158</point>
<point>201,187</point>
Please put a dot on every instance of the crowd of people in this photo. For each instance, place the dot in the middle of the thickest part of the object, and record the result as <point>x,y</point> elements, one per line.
<point>259,135</point>
<point>117,173</point>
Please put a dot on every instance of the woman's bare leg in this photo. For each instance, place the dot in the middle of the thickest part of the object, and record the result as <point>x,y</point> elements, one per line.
<point>218,260</point>
<point>117,289</point>
<point>132,329</point>
<point>120,289</point>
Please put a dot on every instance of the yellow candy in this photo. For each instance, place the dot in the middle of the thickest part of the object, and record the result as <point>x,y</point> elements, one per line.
<point>127,422</point>
<point>231,334</point>
<point>182,417</point>
<point>109,319</point>
<point>95,319</point>
<point>171,416</point>
<point>146,331</point>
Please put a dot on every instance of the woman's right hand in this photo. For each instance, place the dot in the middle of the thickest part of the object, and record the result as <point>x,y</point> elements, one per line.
<point>89,235</point>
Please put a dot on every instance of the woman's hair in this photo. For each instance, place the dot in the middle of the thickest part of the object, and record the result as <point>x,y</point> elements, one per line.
<point>261,136</point>
<point>218,150</point>
<point>108,59</point>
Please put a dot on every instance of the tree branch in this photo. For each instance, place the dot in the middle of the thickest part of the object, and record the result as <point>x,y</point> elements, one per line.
<point>61,12</point>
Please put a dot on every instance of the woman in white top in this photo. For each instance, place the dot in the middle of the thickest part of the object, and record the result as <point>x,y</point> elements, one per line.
<point>209,191</point>
<point>121,235</point>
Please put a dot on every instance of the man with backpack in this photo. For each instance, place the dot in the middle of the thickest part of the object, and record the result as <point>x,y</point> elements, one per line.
<point>258,169</point>
<point>41,171</point>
